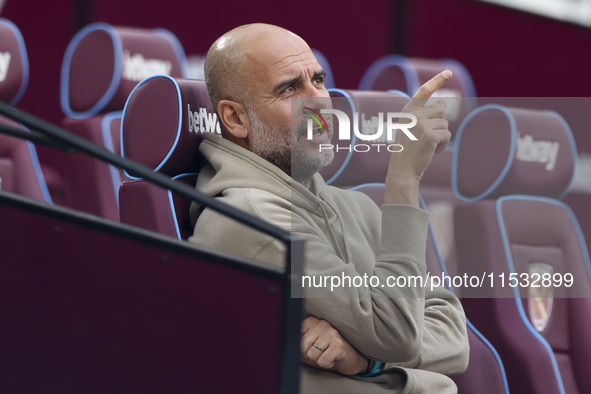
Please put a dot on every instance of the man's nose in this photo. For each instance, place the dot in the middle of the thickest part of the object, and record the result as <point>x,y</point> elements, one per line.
<point>316,98</point>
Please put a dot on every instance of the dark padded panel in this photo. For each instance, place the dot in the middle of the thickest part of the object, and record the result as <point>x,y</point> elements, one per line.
<point>138,316</point>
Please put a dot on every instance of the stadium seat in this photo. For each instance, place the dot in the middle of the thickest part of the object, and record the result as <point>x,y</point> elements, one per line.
<point>101,67</point>
<point>366,172</point>
<point>436,189</point>
<point>162,125</point>
<point>440,201</point>
<point>20,171</point>
<point>510,166</point>
<point>324,63</point>
<point>485,373</point>
<point>368,104</point>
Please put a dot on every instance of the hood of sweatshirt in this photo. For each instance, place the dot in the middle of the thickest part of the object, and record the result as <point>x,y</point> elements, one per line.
<point>231,166</point>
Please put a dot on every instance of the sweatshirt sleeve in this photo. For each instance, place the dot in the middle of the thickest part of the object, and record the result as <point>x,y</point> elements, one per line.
<point>445,347</point>
<point>381,320</point>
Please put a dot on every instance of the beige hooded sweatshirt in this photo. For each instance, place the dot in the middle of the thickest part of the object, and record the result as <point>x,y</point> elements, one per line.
<point>419,333</point>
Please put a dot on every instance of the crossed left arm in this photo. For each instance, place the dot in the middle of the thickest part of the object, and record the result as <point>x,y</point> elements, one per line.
<point>323,347</point>
<point>444,349</point>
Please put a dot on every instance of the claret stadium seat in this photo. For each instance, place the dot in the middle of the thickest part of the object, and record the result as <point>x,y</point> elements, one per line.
<point>511,165</point>
<point>368,104</point>
<point>408,74</point>
<point>435,185</point>
<point>486,372</point>
<point>365,172</point>
<point>325,64</point>
<point>353,167</point>
<point>20,171</point>
<point>101,66</point>
<point>163,122</point>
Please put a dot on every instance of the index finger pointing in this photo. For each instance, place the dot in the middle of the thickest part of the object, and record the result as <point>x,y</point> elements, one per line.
<point>425,92</point>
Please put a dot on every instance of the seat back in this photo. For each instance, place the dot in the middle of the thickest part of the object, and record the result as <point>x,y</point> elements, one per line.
<point>20,170</point>
<point>510,166</point>
<point>101,67</point>
<point>440,201</point>
<point>325,64</point>
<point>103,64</point>
<point>365,171</point>
<point>408,74</point>
<point>162,127</point>
<point>361,165</point>
<point>14,63</point>
<point>485,373</point>
<point>357,161</point>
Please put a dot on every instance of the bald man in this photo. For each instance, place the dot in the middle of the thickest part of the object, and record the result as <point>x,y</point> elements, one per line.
<point>354,339</point>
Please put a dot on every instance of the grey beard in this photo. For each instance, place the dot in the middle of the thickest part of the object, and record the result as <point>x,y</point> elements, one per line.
<point>273,146</point>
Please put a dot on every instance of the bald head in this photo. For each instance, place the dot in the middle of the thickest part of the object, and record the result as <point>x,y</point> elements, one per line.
<point>252,73</point>
<point>232,59</point>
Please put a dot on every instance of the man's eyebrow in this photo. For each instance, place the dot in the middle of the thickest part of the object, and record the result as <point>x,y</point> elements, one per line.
<point>294,81</point>
<point>320,73</point>
<point>285,84</point>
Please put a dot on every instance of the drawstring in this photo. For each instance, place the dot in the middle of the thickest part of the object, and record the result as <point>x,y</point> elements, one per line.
<point>347,255</point>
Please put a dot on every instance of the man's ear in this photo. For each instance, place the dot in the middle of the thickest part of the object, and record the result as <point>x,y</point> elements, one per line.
<point>235,118</point>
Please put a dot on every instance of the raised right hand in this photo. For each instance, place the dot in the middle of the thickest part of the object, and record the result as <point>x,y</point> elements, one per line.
<point>406,168</point>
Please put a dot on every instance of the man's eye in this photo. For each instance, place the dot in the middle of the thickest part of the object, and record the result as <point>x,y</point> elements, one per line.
<point>288,89</point>
<point>319,80</point>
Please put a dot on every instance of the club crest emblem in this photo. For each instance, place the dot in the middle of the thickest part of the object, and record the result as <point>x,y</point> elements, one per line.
<point>540,298</point>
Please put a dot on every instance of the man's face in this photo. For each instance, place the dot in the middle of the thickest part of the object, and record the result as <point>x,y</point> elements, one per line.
<point>283,69</point>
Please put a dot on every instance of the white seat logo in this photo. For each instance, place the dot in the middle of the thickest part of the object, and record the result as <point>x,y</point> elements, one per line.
<point>202,121</point>
<point>136,67</point>
<point>4,63</point>
<point>539,151</point>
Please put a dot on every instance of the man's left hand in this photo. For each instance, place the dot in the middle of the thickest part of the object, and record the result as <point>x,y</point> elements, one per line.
<point>323,347</point>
